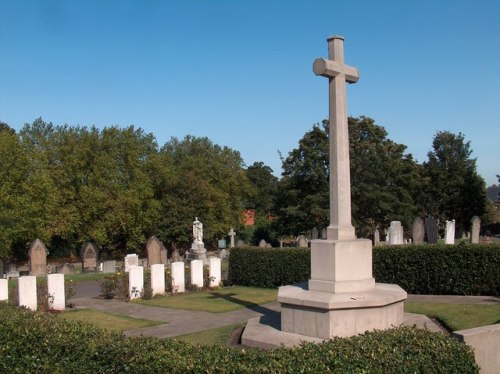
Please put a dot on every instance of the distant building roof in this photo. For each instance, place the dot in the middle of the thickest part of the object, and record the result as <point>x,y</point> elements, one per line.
<point>493,193</point>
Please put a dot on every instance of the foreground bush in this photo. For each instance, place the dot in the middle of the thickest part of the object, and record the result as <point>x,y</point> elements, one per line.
<point>36,342</point>
<point>463,269</point>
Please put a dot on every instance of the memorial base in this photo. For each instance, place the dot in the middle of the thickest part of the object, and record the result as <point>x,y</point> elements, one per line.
<point>197,252</point>
<point>326,315</point>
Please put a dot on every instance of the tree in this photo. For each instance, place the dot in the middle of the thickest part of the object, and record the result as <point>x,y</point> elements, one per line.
<point>265,186</point>
<point>383,180</point>
<point>454,190</point>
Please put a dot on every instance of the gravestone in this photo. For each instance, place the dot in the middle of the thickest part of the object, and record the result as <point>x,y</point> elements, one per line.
<point>4,289</point>
<point>449,237</point>
<point>158,279</point>
<point>301,241</point>
<point>178,281</point>
<point>135,281</point>
<point>176,256</point>
<point>197,273</point>
<point>323,234</point>
<point>88,253</point>
<point>65,269</point>
<point>418,231</point>
<point>341,297</point>
<point>431,230</point>
<point>198,250</point>
<point>131,260</point>
<point>214,272</point>
<point>109,266</point>
<point>376,238</point>
<point>231,234</point>
<point>26,292</point>
<point>1,268</point>
<point>396,233</point>
<point>262,243</point>
<point>155,248</point>
<point>240,243</point>
<point>221,244</point>
<point>314,233</point>
<point>475,229</point>
<point>38,258</point>
<point>55,288</point>
<point>223,254</point>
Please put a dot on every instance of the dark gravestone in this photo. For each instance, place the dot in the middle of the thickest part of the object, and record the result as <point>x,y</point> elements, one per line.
<point>1,268</point>
<point>157,253</point>
<point>38,258</point>
<point>418,231</point>
<point>431,230</point>
<point>88,253</point>
<point>314,233</point>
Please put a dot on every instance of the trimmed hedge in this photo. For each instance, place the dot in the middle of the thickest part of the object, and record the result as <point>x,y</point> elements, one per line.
<point>36,342</point>
<point>463,269</point>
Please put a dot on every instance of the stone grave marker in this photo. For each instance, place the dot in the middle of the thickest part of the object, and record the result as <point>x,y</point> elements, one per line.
<point>262,243</point>
<point>178,281</point>
<point>176,256</point>
<point>109,266</point>
<point>26,292</point>
<point>240,243</point>
<point>221,244</point>
<point>131,260</point>
<point>376,237</point>
<point>223,254</point>
<point>55,287</point>
<point>431,230</point>
<point>197,250</point>
<point>314,233</point>
<point>214,272</point>
<point>231,234</point>
<point>135,281</point>
<point>197,273</point>
<point>1,268</point>
<point>450,232</point>
<point>323,234</point>
<point>396,233</point>
<point>158,279</point>
<point>38,258</point>
<point>301,241</point>
<point>4,289</point>
<point>88,253</point>
<point>475,229</point>
<point>64,269</point>
<point>418,231</point>
<point>155,248</point>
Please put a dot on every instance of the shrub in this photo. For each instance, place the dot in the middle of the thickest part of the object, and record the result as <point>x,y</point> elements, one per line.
<point>43,343</point>
<point>115,285</point>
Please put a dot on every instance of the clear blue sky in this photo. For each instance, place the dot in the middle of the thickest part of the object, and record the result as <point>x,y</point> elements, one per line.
<point>240,72</point>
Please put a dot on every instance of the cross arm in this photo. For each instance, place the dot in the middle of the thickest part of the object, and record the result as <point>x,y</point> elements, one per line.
<point>330,69</point>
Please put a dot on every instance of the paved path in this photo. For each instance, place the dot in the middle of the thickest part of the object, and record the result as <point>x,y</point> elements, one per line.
<point>179,322</point>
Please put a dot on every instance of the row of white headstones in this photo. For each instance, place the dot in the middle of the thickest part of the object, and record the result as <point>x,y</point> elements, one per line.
<point>27,290</point>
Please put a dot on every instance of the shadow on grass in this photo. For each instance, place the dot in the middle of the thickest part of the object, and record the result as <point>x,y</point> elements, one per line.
<point>269,316</point>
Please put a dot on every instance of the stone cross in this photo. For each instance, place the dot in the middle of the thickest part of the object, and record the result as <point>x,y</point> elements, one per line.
<point>340,181</point>
<point>231,233</point>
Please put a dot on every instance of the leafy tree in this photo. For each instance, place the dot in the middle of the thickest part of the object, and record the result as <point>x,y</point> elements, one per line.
<point>383,180</point>
<point>265,187</point>
<point>454,190</point>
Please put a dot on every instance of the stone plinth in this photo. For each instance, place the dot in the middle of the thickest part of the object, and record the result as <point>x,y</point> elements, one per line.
<point>197,252</point>
<point>325,315</point>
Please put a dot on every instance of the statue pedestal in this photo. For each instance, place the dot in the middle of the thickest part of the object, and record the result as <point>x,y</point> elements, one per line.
<point>197,252</point>
<point>341,298</point>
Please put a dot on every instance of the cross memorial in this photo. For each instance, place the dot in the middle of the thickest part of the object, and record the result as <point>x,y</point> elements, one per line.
<point>231,233</point>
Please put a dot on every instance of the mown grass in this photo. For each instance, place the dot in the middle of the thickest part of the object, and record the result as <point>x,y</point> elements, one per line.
<point>216,301</point>
<point>216,336</point>
<point>457,316</point>
<point>116,322</point>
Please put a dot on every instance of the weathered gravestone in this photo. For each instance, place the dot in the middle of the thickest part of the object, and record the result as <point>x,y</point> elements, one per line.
<point>88,253</point>
<point>231,234</point>
<point>475,229</point>
<point>376,237</point>
<point>314,233</point>
<point>431,230</point>
<point>450,232</point>
<point>109,266</point>
<point>64,269</point>
<point>131,260</point>
<point>240,243</point>
<point>323,234</point>
<point>155,248</point>
<point>396,233</point>
<point>1,268</point>
<point>418,231</point>
<point>262,243</point>
<point>301,241</point>
<point>38,258</point>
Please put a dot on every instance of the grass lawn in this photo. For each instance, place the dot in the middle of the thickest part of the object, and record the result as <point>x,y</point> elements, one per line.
<point>217,301</point>
<point>217,336</point>
<point>458,316</point>
<point>109,321</point>
<point>85,277</point>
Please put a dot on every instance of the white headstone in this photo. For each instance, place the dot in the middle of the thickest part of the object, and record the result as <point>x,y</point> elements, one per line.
<point>131,260</point>
<point>27,292</point>
<point>109,266</point>
<point>197,273</point>
<point>262,243</point>
<point>301,241</point>
<point>396,233</point>
<point>4,289</point>
<point>55,285</point>
<point>475,229</point>
<point>178,282</point>
<point>449,237</point>
<point>215,272</point>
<point>158,279</point>
<point>135,281</point>
<point>232,234</point>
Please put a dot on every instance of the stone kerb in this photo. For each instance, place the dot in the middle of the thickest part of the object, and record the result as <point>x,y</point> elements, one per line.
<point>55,285</point>
<point>197,273</point>
<point>4,290</point>
<point>27,292</point>
<point>178,279</point>
<point>158,279</point>
<point>215,272</point>
<point>135,281</point>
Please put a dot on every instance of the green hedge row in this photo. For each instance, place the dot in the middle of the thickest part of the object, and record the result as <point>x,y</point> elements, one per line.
<point>36,342</point>
<point>463,269</point>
